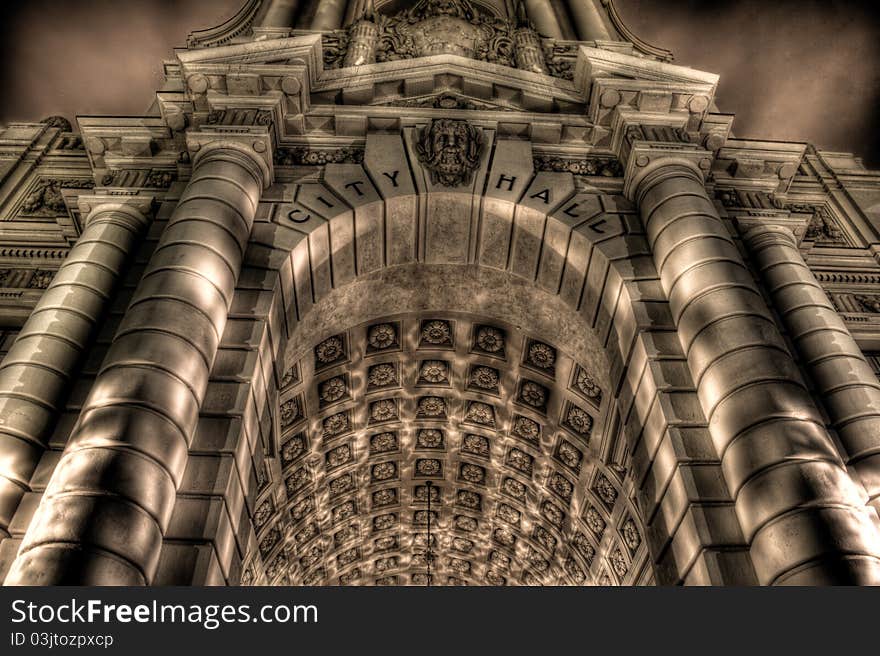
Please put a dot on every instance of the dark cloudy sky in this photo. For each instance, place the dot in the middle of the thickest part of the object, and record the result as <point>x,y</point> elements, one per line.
<point>806,70</point>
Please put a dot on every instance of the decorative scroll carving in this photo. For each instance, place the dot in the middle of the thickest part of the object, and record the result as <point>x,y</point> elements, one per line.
<point>607,167</point>
<point>58,122</point>
<point>65,141</point>
<point>216,36</point>
<point>303,156</point>
<point>334,48</point>
<point>450,150</point>
<point>561,59</point>
<point>26,278</point>
<point>822,228</point>
<point>47,200</point>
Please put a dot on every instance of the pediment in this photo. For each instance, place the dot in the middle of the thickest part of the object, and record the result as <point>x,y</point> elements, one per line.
<point>415,79</point>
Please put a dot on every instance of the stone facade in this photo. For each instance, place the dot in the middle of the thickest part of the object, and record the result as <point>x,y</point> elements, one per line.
<point>454,292</point>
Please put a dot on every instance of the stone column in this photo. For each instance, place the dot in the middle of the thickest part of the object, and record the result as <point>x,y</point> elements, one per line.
<point>588,20</point>
<point>36,373</point>
<point>800,511</point>
<point>563,19</point>
<point>544,18</point>
<point>329,15</point>
<point>108,503</point>
<point>843,379</point>
<point>281,13</point>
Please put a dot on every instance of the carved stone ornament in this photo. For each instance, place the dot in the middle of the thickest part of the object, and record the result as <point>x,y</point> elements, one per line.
<point>58,122</point>
<point>450,149</point>
<point>606,167</point>
<point>433,27</point>
<point>47,200</point>
<point>561,59</point>
<point>302,156</point>
<point>822,228</point>
<point>868,303</point>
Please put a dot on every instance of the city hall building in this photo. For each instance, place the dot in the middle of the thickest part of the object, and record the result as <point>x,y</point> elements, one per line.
<point>445,292</point>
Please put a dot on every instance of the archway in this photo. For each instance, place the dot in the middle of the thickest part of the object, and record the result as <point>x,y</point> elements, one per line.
<point>335,508</point>
<point>398,386</point>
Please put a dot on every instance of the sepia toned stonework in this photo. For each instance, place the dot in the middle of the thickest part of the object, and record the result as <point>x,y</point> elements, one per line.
<point>451,292</point>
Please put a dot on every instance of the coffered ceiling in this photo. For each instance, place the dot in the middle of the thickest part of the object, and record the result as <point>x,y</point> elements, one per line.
<point>504,425</point>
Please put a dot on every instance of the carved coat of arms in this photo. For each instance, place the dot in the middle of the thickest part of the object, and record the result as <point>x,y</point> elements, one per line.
<point>450,149</point>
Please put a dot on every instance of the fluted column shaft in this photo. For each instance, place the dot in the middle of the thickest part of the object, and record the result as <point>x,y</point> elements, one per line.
<point>37,371</point>
<point>798,507</point>
<point>588,21</point>
<point>363,41</point>
<point>843,378</point>
<point>529,52</point>
<point>110,498</point>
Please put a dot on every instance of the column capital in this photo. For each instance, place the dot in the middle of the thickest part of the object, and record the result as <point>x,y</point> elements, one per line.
<point>761,225</point>
<point>137,207</point>
<point>648,157</point>
<point>254,142</point>
<point>757,235</point>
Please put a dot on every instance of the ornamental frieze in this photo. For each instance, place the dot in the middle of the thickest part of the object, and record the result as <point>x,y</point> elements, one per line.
<point>304,156</point>
<point>761,200</point>
<point>868,302</point>
<point>26,278</point>
<point>153,178</point>
<point>607,167</point>
<point>856,302</point>
<point>239,117</point>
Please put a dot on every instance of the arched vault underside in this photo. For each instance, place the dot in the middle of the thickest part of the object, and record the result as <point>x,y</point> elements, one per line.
<point>523,360</point>
<point>399,386</point>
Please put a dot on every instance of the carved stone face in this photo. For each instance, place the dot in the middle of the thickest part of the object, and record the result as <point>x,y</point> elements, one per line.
<point>450,150</point>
